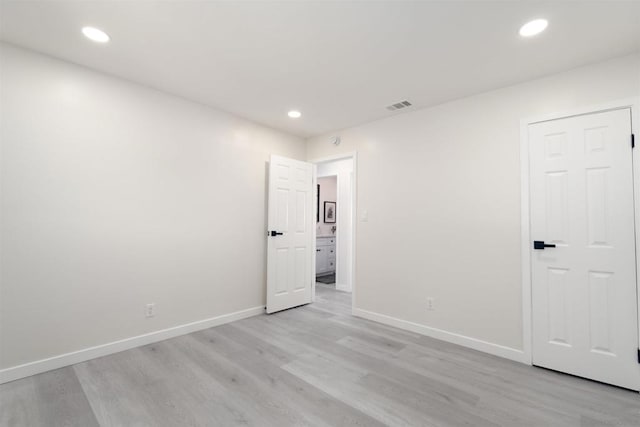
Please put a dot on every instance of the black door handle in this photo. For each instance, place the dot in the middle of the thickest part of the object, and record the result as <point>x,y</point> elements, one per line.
<point>275,233</point>
<point>539,244</point>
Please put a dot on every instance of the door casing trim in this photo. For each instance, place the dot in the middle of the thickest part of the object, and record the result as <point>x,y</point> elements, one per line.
<point>354,227</point>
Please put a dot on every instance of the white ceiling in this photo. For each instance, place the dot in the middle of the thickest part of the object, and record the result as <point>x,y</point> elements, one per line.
<point>340,63</point>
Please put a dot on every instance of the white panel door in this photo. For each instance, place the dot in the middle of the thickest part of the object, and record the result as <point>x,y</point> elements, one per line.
<point>584,289</point>
<point>289,254</point>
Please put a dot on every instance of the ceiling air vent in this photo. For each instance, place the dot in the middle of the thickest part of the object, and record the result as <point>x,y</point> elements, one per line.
<point>399,105</point>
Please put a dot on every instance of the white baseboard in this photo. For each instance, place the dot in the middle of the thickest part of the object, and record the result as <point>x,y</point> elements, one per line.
<point>476,344</point>
<point>342,287</point>
<point>39,366</point>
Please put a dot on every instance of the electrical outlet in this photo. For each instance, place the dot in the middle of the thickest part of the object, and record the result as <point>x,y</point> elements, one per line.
<point>150,310</point>
<point>430,304</point>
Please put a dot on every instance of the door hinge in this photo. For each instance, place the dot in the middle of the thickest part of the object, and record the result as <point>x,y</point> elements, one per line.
<point>639,355</point>
<point>633,141</point>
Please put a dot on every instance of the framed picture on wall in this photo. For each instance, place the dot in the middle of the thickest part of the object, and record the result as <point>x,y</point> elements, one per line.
<point>330,212</point>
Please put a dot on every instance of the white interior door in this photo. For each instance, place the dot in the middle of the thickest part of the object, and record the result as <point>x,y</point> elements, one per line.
<point>289,254</point>
<point>584,289</point>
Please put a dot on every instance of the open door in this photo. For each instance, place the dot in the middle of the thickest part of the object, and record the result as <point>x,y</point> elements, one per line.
<point>290,234</point>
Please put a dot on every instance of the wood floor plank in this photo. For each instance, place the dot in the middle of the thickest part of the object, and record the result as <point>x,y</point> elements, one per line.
<point>340,356</point>
<point>319,407</point>
<point>133,388</point>
<point>342,383</point>
<point>51,399</point>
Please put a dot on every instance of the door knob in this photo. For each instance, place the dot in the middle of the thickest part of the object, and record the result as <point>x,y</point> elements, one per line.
<point>539,244</point>
<point>275,233</point>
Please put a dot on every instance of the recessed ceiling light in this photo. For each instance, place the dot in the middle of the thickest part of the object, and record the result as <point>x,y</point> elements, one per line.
<point>95,34</point>
<point>534,27</point>
<point>294,114</point>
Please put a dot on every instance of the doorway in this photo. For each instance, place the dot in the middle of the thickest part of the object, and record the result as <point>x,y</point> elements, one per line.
<point>580,241</point>
<point>326,228</point>
<point>335,234</point>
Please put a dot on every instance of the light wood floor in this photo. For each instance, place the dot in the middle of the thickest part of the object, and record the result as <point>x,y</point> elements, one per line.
<point>314,365</point>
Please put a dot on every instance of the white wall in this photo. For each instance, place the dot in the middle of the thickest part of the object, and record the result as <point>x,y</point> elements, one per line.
<point>442,191</point>
<point>343,170</point>
<point>328,193</point>
<point>115,196</point>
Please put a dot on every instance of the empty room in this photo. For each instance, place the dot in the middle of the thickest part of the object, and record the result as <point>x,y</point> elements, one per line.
<point>319,213</point>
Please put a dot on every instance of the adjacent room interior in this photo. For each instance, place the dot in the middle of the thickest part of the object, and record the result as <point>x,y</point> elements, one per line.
<point>326,232</point>
<point>284,213</point>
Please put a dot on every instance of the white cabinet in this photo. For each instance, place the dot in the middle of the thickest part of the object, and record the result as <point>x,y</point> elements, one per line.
<point>325,255</point>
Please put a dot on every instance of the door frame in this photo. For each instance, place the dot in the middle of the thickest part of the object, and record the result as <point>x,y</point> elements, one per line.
<point>527,310</point>
<point>354,192</point>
